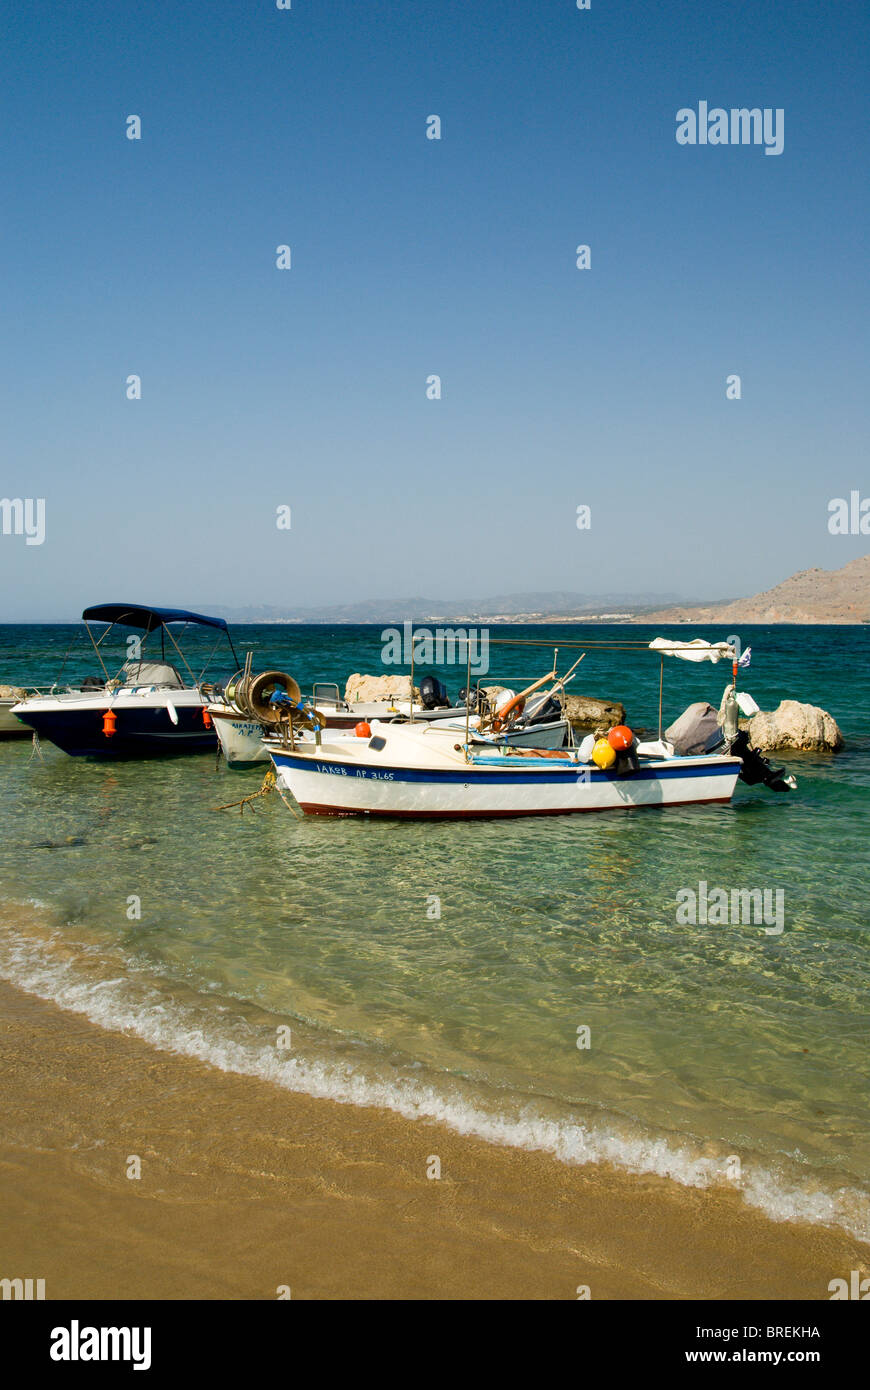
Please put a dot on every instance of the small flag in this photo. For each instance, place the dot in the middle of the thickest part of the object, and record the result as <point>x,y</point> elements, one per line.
<point>746,658</point>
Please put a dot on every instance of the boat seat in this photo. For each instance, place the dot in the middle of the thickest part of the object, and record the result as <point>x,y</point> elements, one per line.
<point>155,673</point>
<point>325,693</point>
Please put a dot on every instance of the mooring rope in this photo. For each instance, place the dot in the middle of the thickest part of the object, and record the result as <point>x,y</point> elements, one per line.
<point>288,804</point>
<point>269,785</point>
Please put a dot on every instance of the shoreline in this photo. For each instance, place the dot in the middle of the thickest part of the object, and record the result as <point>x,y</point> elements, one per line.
<point>246,1187</point>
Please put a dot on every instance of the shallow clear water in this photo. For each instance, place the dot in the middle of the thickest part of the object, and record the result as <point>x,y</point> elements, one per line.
<point>707,1042</point>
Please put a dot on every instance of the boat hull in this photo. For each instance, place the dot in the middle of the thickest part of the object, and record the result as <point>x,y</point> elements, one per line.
<point>141,731</point>
<point>242,745</point>
<point>240,739</point>
<point>331,786</point>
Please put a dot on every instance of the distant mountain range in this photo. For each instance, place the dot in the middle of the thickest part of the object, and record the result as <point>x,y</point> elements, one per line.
<point>509,607</point>
<point>810,596</point>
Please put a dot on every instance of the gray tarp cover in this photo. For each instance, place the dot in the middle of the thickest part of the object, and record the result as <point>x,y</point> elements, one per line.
<point>697,729</point>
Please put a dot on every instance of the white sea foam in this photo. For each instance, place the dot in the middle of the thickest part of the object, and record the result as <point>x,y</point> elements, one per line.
<point>134,1004</point>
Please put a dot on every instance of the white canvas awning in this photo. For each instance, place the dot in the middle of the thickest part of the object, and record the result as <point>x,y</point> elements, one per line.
<point>698,650</point>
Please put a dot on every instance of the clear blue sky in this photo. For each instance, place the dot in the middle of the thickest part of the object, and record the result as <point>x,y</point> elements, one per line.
<point>410,257</point>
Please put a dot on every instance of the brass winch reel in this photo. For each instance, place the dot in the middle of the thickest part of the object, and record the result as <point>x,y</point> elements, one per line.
<point>252,697</point>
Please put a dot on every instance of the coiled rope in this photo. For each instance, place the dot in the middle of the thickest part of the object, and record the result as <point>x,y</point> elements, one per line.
<point>270,784</point>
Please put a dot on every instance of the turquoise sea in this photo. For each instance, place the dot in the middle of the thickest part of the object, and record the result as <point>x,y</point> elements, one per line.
<point>717,1053</point>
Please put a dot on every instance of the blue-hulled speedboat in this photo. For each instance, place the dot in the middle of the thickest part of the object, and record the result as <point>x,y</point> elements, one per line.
<point>150,709</point>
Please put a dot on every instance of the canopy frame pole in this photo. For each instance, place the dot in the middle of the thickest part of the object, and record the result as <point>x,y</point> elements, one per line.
<point>661,686</point>
<point>164,628</point>
<point>468,699</point>
<point>96,648</point>
<point>208,661</point>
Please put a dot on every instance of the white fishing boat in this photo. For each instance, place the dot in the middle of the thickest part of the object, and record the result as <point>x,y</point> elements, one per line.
<point>250,705</point>
<point>423,771</point>
<point>437,771</point>
<point>243,712</point>
<point>242,744</point>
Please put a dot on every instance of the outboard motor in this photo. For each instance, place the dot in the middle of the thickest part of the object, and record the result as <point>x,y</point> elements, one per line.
<point>433,693</point>
<point>755,767</point>
<point>472,699</point>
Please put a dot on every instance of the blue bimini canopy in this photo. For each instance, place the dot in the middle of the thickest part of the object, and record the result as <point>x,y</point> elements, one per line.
<point>149,619</point>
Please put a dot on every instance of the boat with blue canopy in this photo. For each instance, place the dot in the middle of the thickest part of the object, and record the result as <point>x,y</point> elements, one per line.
<point>155,703</point>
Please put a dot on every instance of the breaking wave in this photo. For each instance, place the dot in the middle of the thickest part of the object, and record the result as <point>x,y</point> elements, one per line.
<point>330,1066</point>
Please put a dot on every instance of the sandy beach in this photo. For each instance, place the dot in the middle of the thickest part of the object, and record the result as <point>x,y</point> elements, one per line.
<point>245,1188</point>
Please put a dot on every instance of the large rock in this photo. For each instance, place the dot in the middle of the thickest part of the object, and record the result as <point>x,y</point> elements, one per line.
<point>587,714</point>
<point>12,692</point>
<point>794,725</point>
<point>373,689</point>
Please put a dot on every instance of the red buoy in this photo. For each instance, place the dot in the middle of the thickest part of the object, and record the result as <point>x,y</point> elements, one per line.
<point>206,717</point>
<point>620,738</point>
<point>363,730</point>
<point>110,719</point>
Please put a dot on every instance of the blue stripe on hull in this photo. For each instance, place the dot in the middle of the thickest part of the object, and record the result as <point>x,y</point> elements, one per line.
<point>442,776</point>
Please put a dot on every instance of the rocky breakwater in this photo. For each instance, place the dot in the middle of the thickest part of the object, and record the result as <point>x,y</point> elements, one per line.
<point>588,715</point>
<point>794,725</point>
<point>374,689</point>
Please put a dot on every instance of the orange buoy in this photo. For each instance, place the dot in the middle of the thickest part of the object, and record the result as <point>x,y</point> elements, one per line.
<point>363,730</point>
<point>620,738</point>
<point>110,719</point>
<point>206,717</point>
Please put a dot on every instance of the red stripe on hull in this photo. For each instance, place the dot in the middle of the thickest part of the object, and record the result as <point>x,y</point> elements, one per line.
<point>312,809</point>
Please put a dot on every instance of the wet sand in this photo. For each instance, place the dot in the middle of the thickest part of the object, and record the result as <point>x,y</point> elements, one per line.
<point>246,1187</point>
